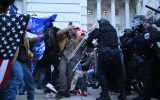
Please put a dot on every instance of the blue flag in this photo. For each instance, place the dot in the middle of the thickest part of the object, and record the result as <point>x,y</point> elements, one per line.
<point>39,48</point>
<point>13,9</point>
<point>38,25</point>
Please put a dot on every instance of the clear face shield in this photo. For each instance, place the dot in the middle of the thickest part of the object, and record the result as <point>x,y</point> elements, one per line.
<point>136,23</point>
<point>157,18</point>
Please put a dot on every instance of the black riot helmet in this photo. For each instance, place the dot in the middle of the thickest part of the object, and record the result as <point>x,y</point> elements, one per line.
<point>104,24</point>
<point>137,22</point>
<point>102,20</point>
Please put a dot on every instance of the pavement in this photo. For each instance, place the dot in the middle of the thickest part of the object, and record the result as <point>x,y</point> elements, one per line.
<point>93,94</point>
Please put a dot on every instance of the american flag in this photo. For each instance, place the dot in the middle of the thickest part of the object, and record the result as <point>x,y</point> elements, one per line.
<point>12,31</point>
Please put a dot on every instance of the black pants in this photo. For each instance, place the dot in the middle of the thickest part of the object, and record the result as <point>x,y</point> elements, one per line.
<point>109,69</point>
<point>152,79</point>
<point>48,59</point>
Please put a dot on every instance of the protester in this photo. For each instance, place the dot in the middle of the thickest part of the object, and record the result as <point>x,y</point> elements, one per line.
<point>16,33</point>
<point>68,39</point>
<point>51,54</point>
<point>23,59</point>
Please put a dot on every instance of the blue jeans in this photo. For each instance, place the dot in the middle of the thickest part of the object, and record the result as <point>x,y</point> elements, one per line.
<point>22,88</point>
<point>15,79</point>
<point>90,74</point>
<point>42,77</point>
<point>29,81</point>
<point>19,72</point>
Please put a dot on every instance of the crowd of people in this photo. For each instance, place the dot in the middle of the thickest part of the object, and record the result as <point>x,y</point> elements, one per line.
<point>120,64</point>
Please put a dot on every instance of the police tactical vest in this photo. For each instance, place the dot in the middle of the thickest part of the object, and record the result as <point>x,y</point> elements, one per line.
<point>108,38</point>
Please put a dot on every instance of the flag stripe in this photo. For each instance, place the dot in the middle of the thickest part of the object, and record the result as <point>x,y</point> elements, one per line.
<point>0,62</point>
<point>4,65</point>
<point>4,71</point>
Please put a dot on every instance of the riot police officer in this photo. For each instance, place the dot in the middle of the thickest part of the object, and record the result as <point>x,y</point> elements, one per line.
<point>152,69</point>
<point>150,37</point>
<point>109,59</point>
<point>136,51</point>
<point>127,36</point>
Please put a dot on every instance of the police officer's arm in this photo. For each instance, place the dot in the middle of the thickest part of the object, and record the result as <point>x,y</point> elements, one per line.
<point>154,33</point>
<point>93,35</point>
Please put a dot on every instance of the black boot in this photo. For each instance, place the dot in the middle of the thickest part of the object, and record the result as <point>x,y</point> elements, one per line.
<point>103,98</point>
<point>122,97</point>
<point>60,95</point>
<point>141,98</point>
<point>67,94</point>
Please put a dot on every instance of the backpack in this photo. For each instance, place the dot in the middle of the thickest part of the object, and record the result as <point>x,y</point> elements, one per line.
<point>50,39</point>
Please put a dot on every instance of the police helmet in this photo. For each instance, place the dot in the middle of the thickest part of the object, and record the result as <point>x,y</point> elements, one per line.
<point>137,21</point>
<point>102,20</point>
<point>104,24</point>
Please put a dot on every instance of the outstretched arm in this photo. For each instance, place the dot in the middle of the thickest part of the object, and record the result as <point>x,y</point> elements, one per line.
<point>93,35</point>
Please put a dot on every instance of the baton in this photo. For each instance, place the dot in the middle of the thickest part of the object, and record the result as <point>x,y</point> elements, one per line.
<point>149,7</point>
